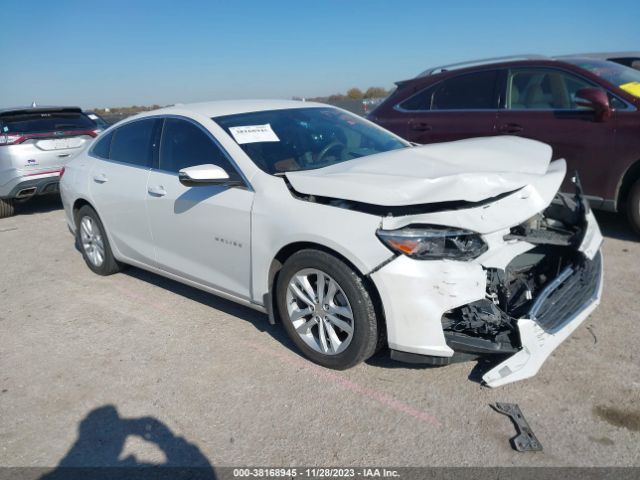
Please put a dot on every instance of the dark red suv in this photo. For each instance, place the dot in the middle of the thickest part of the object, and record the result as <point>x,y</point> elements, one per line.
<point>586,109</point>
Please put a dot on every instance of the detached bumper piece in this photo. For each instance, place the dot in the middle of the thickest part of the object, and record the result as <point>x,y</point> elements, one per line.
<point>525,441</point>
<point>556,312</point>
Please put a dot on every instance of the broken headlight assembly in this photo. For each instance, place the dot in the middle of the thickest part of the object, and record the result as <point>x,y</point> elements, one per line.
<point>431,242</point>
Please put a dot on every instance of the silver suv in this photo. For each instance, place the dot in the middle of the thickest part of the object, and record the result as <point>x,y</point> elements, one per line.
<point>35,144</point>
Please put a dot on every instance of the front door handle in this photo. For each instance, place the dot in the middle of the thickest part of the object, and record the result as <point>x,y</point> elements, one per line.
<point>511,128</point>
<point>101,178</point>
<point>420,126</point>
<point>157,191</point>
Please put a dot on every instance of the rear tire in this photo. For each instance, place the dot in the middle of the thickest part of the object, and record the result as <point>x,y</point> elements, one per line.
<point>94,244</point>
<point>633,206</point>
<point>340,327</point>
<point>7,208</point>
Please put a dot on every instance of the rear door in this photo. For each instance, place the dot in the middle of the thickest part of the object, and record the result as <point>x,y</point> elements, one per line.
<point>458,107</point>
<point>540,104</point>
<point>201,233</point>
<point>118,185</point>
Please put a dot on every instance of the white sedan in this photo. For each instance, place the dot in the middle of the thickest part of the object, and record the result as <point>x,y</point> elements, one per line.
<point>352,238</point>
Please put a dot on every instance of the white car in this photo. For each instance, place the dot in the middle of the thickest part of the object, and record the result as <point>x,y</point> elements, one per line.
<point>352,238</point>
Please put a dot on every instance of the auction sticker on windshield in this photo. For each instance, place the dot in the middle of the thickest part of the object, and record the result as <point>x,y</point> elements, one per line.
<point>254,134</point>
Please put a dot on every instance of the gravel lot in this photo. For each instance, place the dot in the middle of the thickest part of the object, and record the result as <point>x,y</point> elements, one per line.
<point>165,372</point>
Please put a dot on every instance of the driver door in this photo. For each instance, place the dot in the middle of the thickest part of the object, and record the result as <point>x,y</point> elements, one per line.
<point>200,233</point>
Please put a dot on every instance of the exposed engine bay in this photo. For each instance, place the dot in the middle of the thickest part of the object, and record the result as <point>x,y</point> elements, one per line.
<point>489,326</point>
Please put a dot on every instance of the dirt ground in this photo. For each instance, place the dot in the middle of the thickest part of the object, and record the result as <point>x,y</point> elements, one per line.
<point>136,368</point>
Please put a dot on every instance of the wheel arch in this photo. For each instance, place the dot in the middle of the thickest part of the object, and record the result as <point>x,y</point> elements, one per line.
<point>78,204</point>
<point>288,250</point>
<point>82,202</point>
<point>628,179</point>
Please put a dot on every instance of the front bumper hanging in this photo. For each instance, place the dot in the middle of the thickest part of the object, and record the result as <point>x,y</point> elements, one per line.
<point>559,309</point>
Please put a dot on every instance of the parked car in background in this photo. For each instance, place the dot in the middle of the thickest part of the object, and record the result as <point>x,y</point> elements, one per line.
<point>346,234</point>
<point>100,122</point>
<point>586,109</point>
<point>35,143</point>
<point>368,104</point>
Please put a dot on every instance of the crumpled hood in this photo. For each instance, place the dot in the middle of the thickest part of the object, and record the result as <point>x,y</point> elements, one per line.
<point>469,170</point>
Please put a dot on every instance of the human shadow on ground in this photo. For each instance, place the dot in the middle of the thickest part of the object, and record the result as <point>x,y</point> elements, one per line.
<point>97,452</point>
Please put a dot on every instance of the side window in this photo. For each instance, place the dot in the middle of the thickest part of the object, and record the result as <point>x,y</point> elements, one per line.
<point>133,143</point>
<point>420,101</point>
<point>474,91</point>
<point>103,146</point>
<point>471,91</point>
<point>541,89</point>
<point>185,145</point>
<point>616,103</point>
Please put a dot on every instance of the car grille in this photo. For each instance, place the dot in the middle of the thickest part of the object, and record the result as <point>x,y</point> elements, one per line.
<point>568,294</point>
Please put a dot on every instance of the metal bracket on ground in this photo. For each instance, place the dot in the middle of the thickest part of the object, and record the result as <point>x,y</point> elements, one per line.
<point>525,441</point>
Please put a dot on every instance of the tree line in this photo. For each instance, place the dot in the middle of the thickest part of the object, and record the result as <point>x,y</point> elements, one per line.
<point>126,110</point>
<point>355,94</point>
<point>352,94</point>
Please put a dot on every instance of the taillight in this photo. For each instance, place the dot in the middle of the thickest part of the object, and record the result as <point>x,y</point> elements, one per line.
<point>11,138</point>
<point>61,172</point>
<point>15,138</point>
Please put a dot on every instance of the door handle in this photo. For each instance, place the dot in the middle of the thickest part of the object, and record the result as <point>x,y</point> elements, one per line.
<point>102,178</point>
<point>511,128</point>
<point>158,191</point>
<point>420,126</point>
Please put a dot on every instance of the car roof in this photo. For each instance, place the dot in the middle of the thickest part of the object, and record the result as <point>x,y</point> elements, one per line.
<point>469,67</point>
<point>231,107</point>
<point>522,59</point>
<point>479,63</point>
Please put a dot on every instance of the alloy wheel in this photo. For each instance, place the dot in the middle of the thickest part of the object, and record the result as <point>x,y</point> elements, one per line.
<point>320,311</point>
<point>92,242</point>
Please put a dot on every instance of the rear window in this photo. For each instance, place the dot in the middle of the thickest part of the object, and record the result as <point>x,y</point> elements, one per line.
<point>43,122</point>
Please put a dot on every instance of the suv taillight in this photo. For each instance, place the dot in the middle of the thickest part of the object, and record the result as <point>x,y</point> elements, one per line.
<point>15,138</point>
<point>61,172</point>
<point>11,138</point>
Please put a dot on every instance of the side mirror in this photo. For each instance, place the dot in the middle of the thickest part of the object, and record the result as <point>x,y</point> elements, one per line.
<point>596,100</point>
<point>208,174</point>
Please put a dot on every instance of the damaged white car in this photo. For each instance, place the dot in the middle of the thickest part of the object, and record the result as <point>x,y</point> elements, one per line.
<point>352,238</point>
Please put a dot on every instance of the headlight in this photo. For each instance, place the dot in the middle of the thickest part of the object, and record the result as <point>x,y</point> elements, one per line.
<point>434,242</point>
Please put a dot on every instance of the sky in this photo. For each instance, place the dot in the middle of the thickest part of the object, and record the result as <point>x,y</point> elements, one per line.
<point>122,53</point>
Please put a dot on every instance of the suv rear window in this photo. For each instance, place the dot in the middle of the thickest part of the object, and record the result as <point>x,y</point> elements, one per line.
<point>45,121</point>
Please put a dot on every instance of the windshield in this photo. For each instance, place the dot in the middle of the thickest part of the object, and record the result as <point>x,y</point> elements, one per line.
<point>305,138</point>
<point>624,77</point>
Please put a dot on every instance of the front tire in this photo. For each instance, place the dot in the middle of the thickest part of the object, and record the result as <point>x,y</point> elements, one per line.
<point>7,208</point>
<point>326,310</point>
<point>633,206</point>
<point>94,244</point>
